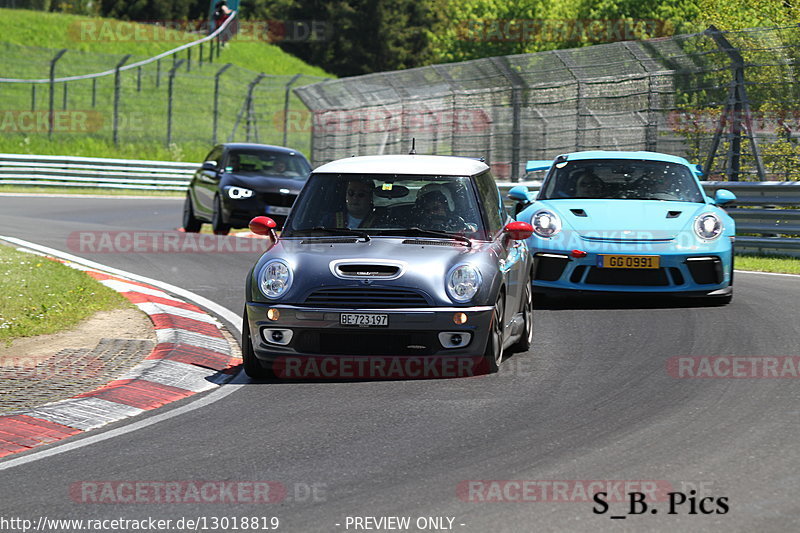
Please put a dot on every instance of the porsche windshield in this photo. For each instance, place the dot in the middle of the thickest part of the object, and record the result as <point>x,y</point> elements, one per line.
<point>622,179</point>
<point>336,204</point>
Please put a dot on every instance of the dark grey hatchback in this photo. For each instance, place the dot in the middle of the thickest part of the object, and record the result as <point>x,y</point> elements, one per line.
<point>390,267</point>
<point>239,181</point>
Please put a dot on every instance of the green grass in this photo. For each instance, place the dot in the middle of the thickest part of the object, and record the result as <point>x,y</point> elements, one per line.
<point>40,296</point>
<point>763,263</point>
<point>25,189</point>
<point>31,38</point>
<point>55,31</point>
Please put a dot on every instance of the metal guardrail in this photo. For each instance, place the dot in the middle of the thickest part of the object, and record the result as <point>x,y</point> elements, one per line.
<point>771,210</point>
<point>767,214</point>
<point>94,172</point>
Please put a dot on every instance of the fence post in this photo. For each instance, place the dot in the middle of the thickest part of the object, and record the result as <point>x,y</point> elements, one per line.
<point>517,85</point>
<point>94,91</point>
<point>579,122</point>
<point>158,72</point>
<point>33,97</point>
<point>53,61</point>
<point>247,107</point>
<point>738,104</point>
<point>138,79</point>
<point>216,102</point>
<point>200,55</point>
<point>116,97</point>
<point>286,107</point>
<point>64,99</point>
<point>188,60</point>
<point>169,99</point>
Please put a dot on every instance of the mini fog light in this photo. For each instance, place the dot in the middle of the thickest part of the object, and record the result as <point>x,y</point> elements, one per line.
<point>460,318</point>
<point>277,335</point>
<point>455,339</point>
<point>273,314</point>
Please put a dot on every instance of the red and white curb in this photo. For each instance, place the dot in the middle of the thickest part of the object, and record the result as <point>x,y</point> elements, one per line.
<point>191,355</point>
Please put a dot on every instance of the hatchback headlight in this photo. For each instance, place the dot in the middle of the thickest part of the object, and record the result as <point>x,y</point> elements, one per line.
<point>239,193</point>
<point>275,278</point>
<point>545,223</point>
<point>463,283</point>
<point>708,226</point>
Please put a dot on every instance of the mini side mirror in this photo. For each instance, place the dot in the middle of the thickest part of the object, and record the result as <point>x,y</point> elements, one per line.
<point>518,231</point>
<point>264,226</point>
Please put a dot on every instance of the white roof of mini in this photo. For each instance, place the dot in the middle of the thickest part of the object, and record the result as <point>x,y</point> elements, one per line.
<point>431,165</point>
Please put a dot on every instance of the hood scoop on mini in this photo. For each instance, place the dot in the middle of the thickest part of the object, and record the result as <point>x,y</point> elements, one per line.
<point>674,214</point>
<point>367,270</point>
<point>579,212</point>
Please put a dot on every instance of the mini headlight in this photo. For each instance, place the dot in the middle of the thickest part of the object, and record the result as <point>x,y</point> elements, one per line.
<point>239,193</point>
<point>708,226</point>
<point>463,283</point>
<point>545,223</point>
<point>275,278</point>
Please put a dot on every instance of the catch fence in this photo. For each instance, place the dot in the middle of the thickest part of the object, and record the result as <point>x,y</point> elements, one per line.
<point>727,100</point>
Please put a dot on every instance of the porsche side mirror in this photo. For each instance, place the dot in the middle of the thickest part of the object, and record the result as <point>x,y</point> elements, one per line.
<point>724,196</point>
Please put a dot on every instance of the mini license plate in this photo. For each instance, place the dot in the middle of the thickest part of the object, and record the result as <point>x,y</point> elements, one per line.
<point>275,210</point>
<point>628,261</point>
<point>363,320</point>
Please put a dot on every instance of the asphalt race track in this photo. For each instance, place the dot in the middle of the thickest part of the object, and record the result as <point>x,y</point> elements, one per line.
<point>592,401</point>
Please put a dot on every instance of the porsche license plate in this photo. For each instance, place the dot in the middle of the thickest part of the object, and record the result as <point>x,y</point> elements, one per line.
<point>628,261</point>
<point>363,320</point>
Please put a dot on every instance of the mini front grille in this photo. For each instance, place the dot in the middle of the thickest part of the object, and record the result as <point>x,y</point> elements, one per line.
<point>627,276</point>
<point>366,298</point>
<point>375,342</point>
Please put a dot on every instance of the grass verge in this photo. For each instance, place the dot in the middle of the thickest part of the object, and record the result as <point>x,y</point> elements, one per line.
<point>39,296</point>
<point>768,263</point>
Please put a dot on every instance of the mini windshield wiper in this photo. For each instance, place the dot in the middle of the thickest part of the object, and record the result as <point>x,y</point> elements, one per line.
<point>427,233</point>
<point>337,231</point>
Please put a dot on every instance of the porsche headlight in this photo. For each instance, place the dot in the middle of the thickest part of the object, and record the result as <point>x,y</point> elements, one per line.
<point>463,283</point>
<point>275,278</point>
<point>545,223</point>
<point>239,193</point>
<point>708,226</point>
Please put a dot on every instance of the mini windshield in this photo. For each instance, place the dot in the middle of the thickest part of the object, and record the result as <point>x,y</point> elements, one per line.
<point>357,204</point>
<point>622,179</point>
<point>266,163</point>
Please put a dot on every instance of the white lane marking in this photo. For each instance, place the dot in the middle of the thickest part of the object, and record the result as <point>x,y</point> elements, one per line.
<point>121,286</point>
<point>153,308</point>
<point>767,273</point>
<point>181,336</point>
<point>173,373</point>
<point>84,413</point>
<point>202,401</point>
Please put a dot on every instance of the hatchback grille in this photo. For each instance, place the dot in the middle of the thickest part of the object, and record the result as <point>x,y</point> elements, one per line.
<point>366,270</point>
<point>366,298</point>
<point>278,199</point>
<point>366,342</point>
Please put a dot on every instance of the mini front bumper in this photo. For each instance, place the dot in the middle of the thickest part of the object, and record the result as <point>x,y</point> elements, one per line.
<point>410,332</point>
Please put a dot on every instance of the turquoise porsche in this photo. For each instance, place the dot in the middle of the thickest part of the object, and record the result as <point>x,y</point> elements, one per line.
<point>627,222</point>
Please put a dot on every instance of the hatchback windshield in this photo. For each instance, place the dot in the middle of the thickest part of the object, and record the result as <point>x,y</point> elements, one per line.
<point>332,204</point>
<point>265,163</point>
<point>622,179</point>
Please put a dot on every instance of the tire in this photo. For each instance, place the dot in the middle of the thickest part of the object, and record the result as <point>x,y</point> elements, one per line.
<point>493,353</point>
<point>525,341</point>
<point>190,223</point>
<point>252,366</point>
<point>217,223</point>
